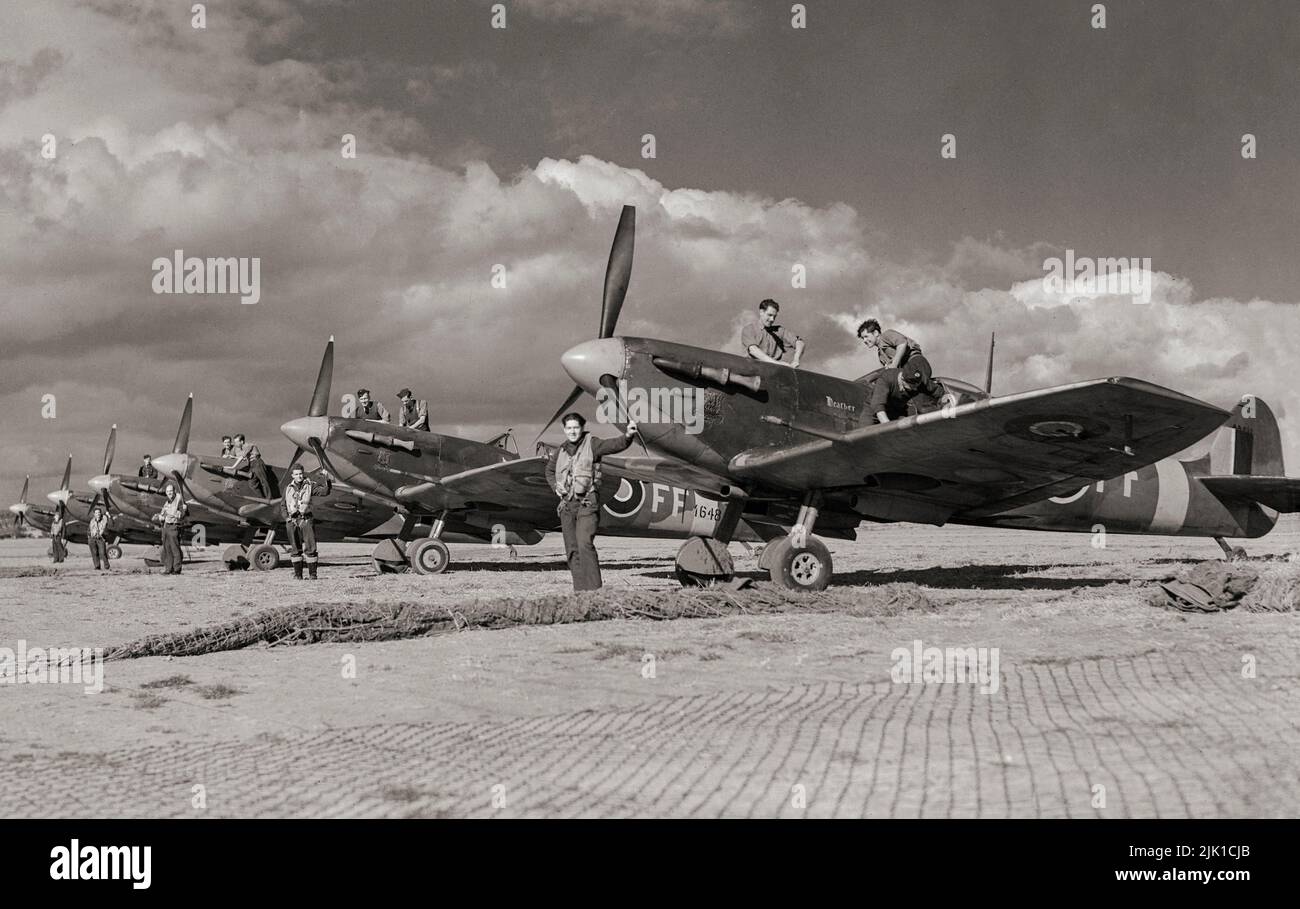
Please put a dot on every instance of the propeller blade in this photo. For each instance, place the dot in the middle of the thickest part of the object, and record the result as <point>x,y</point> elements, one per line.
<point>320,396</point>
<point>67,474</point>
<point>568,402</point>
<point>22,499</point>
<point>610,384</point>
<point>284,477</point>
<point>618,272</point>
<point>111,447</point>
<point>183,432</point>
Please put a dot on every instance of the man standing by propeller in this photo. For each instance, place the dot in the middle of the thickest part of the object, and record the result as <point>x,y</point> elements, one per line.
<point>298,523</point>
<point>573,471</point>
<point>172,515</point>
<point>58,547</point>
<point>95,530</point>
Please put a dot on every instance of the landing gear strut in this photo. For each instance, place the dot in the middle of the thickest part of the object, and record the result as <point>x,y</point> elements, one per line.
<point>799,561</point>
<point>705,561</point>
<point>427,556</point>
<point>263,556</point>
<point>1231,553</point>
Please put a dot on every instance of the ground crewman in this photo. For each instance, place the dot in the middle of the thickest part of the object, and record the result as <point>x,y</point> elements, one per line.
<point>894,348</point>
<point>906,392</point>
<point>412,414</point>
<point>251,456</point>
<point>58,546</point>
<point>147,470</point>
<point>171,517</point>
<point>298,523</point>
<point>573,471</point>
<point>765,340</point>
<point>368,409</point>
<point>227,448</point>
<point>95,531</point>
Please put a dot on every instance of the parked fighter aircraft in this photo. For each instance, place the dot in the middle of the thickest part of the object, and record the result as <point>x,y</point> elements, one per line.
<point>801,447</point>
<point>230,508</point>
<point>450,489</point>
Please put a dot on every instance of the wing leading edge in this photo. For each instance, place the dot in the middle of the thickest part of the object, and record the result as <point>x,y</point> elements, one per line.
<point>990,455</point>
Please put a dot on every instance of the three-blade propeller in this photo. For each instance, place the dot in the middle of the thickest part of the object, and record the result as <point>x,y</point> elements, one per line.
<point>618,273</point>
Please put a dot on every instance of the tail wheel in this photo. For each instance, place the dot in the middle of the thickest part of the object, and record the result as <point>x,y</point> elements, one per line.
<point>808,568</point>
<point>429,556</point>
<point>264,557</point>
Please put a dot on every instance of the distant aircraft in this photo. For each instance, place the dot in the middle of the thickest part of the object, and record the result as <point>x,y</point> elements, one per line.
<point>802,450</point>
<point>232,509</point>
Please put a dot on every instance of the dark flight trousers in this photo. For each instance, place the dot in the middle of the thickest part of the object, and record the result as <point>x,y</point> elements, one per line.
<point>58,549</point>
<point>99,552</point>
<point>171,549</point>
<point>258,469</point>
<point>302,540</point>
<point>578,521</point>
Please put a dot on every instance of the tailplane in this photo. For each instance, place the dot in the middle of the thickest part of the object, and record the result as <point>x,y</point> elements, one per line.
<point>1245,460</point>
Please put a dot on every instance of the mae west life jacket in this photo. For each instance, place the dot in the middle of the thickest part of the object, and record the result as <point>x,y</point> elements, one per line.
<point>578,474</point>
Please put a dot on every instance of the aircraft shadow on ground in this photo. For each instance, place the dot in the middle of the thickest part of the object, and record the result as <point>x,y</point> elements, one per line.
<point>977,577</point>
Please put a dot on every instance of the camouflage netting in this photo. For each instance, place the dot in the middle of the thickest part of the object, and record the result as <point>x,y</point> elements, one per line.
<point>373,621</point>
<point>1254,586</point>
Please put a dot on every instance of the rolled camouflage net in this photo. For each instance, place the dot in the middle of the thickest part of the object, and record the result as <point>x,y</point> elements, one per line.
<point>1261,585</point>
<point>374,621</point>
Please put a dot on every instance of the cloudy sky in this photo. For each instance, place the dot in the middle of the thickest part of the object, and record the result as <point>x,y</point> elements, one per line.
<point>477,146</point>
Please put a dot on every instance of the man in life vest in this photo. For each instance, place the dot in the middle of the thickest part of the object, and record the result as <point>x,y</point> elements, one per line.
<point>171,517</point>
<point>95,531</point>
<point>58,546</point>
<point>573,471</point>
<point>298,523</point>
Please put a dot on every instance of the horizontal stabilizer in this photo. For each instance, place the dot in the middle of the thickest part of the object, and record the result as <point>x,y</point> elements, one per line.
<point>1278,493</point>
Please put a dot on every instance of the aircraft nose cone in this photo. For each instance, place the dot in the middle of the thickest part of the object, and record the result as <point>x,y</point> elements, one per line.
<point>300,430</point>
<point>100,483</point>
<point>18,508</point>
<point>590,360</point>
<point>59,496</point>
<point>168,464</point>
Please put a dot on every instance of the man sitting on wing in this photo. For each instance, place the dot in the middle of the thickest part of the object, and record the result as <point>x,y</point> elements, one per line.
<point>906,392</point>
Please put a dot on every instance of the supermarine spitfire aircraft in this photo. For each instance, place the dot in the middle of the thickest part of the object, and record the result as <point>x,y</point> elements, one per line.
<point>76,511</point>
<point>230,508</point>
<point>451,490</point>
<point>790,450</point>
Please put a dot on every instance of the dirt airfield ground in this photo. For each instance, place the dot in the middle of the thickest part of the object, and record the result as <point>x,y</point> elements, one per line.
<point>1106,706</point>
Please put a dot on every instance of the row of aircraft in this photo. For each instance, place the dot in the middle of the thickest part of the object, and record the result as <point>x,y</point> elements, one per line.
<point>783,457</point>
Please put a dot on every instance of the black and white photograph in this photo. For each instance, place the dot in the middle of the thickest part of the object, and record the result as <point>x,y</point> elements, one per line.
<point>638,410</point>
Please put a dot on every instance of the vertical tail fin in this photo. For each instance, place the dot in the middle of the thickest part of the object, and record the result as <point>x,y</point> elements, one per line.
<point>1248,443</point>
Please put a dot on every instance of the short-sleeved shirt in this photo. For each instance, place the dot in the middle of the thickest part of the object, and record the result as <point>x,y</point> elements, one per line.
<point>887,345</point>
<point>772,340</point>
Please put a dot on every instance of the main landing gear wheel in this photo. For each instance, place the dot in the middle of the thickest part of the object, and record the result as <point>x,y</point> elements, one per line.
<point>429,556</point>
<point>264,557</point>
<point>808,568</point>
<point>115,552</point>
<point>388,558</point>
<point>703,562</point>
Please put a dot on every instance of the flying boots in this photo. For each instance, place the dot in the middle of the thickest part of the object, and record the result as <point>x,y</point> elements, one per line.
<point>297,570</point>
